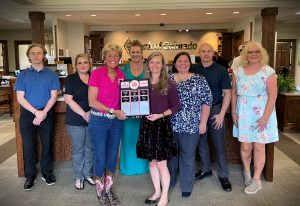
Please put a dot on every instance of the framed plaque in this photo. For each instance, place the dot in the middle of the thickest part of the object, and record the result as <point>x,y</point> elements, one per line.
<point>135,97</point>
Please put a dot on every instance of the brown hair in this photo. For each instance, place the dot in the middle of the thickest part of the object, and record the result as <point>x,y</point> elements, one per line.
<point>136,43</point>
<point>83,56</point>
<point>162,86</point>
<point>36,45</point>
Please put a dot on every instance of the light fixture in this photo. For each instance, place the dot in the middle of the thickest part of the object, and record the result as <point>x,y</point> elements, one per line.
<point>179,30</point>
<point>137,15</point>
<point>209,13</point>
<point>187,30</point>
<point>68,15</point>
<point>163,14</point>
<point>93,15</point>
<point>236,12</point>
<point>298,12</point>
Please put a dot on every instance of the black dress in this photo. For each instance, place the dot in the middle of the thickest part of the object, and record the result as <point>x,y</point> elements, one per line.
<point>156,140</point>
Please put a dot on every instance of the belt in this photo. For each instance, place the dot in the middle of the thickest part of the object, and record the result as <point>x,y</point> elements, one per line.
<point>99,114</point>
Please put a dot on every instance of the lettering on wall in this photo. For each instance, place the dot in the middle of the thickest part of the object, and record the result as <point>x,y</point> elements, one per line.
<point>164,45</point>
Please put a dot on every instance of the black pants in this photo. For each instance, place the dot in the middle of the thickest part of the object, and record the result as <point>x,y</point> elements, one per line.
<point>29,133</point>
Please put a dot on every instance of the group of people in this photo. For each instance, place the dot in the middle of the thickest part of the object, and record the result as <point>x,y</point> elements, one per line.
<point>187,108</point>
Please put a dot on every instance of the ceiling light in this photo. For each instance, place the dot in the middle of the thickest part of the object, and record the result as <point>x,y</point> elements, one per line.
<point>93,15</point>
<point>163,14</point>
<point>236,12</point>
<point>298,12</point>
<point>187,30</point>
<point>137,15</point>
<point>68,15</point>
<point>209,13</point>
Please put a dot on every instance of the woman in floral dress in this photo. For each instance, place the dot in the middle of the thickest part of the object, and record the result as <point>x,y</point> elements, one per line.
<point>254,92</point>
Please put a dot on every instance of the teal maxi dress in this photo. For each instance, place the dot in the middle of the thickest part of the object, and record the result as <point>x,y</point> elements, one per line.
<point>129,163</point>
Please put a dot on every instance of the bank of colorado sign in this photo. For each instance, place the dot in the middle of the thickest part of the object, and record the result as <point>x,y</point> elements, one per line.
<point>169,46</point>
<point>163,45</point>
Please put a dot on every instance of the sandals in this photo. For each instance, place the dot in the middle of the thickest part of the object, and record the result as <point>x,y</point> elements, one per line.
<point>79,185</point>
<point>90,180</point>
<point>253,187</point>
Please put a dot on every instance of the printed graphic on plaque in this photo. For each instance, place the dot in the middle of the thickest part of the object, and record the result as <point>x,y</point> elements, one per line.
<point>135,97</point>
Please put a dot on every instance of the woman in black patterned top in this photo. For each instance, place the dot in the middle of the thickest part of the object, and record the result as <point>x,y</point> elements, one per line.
<point>195,99</point>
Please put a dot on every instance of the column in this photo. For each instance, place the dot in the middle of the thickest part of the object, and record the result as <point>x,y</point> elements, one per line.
<point>37,27</point>
<point>268,42</point>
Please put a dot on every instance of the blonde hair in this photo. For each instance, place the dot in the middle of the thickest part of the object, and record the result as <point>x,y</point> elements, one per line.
<point>111,47</point>
<point>264,57</point>
<point>83,56</point>
<point>162,86</point>
<point>36,45</point>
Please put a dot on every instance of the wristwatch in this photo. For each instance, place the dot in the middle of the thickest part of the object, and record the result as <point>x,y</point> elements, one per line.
<point>111,111</point>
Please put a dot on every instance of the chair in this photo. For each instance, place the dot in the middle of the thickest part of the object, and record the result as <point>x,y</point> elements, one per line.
<point>5,95</point>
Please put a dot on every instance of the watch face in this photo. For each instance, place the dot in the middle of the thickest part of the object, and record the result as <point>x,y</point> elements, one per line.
<point>134,84</point>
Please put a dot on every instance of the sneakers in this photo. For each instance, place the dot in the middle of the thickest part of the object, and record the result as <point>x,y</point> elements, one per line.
<point>253,187</point>
<point>29,183</point>
<point>49,179</point>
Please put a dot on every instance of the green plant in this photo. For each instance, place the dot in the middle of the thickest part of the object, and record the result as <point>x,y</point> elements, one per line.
<point>285,83</point>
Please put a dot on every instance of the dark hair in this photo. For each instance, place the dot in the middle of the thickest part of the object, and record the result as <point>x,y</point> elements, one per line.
<point>174,69</point>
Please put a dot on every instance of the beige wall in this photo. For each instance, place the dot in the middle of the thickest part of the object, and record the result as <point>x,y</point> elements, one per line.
<point>197,37</point>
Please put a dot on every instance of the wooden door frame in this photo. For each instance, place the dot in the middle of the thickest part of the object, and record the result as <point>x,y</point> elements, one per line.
<point>5,57</point>
<point>293,53</point>
<point>16,45</point>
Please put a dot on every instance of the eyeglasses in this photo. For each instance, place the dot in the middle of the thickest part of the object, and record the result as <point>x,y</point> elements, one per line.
<point>254,52</point>
<point>82,62</point>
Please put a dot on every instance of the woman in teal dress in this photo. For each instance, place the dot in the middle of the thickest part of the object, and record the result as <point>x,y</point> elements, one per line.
<point>129,163</point>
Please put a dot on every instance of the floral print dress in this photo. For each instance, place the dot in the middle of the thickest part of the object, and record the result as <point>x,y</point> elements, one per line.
<point>252,97</point>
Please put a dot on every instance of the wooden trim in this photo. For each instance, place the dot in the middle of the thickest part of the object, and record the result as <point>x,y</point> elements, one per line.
<point>16,45</point>
<point>5,57</point>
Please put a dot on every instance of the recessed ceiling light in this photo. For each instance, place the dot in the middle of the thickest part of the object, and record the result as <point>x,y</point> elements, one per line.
<point>68,15</point>
<point>163,14</point>
<point>137,15</point>
<point>236,12</point>
<point>209,13</point>
<point>298,12</point>
<point>93,15</point>
<point>187,30</point>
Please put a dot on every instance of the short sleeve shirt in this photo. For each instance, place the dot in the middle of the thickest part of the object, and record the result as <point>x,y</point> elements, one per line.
<point>218,79</point>
<point>193,93</point>
<point>108,91</point>
<point>37,85</point>
<point>79,90</point>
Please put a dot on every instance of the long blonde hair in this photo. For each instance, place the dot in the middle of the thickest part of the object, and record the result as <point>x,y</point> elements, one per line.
<point>264,57</point>
<point>162,85</point>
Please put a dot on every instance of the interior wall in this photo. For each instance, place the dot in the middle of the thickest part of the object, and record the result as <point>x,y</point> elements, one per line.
<point>244,24</point>
<point>155,37</point>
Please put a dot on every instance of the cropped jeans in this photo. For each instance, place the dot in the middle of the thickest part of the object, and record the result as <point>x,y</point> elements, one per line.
<point>105,135</point>
<point>82,151</point>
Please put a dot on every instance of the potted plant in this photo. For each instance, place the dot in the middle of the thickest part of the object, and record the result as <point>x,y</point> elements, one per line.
<point>285,83</point>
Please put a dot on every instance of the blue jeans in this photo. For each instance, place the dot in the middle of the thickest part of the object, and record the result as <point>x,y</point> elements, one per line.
<point>82,151</point>
<point>105,134</point>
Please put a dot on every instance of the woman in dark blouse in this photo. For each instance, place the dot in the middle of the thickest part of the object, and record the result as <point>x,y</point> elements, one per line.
<point>195,100</point>
<point>77,117</point>
<point>156,142</point>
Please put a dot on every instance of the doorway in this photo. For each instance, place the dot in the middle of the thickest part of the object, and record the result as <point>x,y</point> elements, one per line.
<point>285,55</point>
<point>238,39</point>
<point>21,47</point>
<point>4,57</point>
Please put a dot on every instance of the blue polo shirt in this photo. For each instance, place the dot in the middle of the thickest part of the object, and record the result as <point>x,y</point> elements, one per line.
<point>37,85</point>
<point>217,77</point>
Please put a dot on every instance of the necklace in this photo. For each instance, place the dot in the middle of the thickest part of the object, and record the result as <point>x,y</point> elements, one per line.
<point>181,78</point>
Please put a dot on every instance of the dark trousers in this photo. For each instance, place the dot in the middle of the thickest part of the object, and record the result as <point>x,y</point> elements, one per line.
<point>217,137</point>
<point>185,162</point>
<point>29,133</point>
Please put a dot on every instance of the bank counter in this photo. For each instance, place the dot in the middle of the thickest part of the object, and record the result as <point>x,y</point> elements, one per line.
<point>62,144</point>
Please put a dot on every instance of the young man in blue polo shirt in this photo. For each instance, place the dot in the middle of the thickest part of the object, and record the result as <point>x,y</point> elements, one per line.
<point>37,88</point>
<point>219,82</point>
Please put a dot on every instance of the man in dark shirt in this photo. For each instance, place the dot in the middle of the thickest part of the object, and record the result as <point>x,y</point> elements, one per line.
<point>219,82</point>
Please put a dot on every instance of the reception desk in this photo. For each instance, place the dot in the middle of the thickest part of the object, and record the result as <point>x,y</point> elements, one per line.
<point>288,111</point>
<point>62,145</point>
